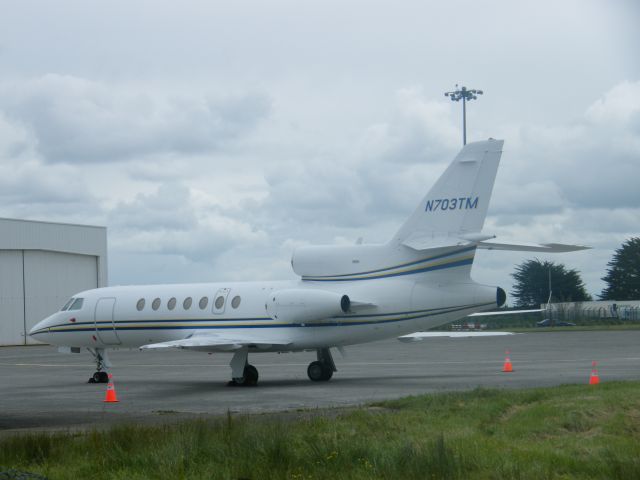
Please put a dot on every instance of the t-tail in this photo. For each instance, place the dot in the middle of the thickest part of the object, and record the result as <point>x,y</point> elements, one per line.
<point>440,237</point>
<point>454,210</point>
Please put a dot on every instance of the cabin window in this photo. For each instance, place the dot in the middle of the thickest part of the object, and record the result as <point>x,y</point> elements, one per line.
<point>140,304</point>
<point>155,304</point>
<point>203,303</point>
<point>77,304</point>
<point>219,302</point>
<point>235,303</point>
<point>187,303</point>
<point>67,305</point>
<point>171,304</point>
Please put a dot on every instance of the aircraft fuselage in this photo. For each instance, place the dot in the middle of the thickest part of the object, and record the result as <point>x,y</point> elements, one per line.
<point>132,316</point>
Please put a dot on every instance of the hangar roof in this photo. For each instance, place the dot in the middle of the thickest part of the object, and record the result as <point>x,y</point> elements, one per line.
<point>16,234</point>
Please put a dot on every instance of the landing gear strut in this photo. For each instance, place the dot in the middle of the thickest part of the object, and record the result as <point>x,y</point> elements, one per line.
<point>102,361</point>
<point>242,373</point>
<point>322,369</point>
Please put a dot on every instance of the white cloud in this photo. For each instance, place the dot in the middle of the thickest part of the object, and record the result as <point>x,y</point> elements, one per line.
<point>75,120</point>
<point>620,106</point>
<point>167,222</point>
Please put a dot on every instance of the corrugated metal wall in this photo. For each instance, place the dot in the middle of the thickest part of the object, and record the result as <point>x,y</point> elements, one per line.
<point>42,264</point>
<point>11,298</point>
<point>50,278</point>
<point>34,284</point>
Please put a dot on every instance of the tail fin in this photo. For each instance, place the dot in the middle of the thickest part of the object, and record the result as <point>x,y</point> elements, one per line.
<point>457,204</point>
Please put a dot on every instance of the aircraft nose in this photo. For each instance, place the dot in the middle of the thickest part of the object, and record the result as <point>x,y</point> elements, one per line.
<point>39,327</point>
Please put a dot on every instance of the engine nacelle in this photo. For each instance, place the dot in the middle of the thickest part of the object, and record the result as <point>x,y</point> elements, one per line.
<point>304,305</point>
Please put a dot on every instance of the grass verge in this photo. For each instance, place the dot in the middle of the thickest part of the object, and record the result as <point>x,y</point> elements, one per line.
<point>546,433</point>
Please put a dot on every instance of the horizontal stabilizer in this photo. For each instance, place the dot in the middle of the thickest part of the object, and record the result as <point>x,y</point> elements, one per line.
<point>505,312</point>
<point>532,247</point>
<point>424,241</point>
<point>215,342</point>
<point>420,336</point>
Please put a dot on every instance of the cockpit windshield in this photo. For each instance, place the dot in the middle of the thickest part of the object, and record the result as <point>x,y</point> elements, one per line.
<point>67,305</point>
<point>77,304</point>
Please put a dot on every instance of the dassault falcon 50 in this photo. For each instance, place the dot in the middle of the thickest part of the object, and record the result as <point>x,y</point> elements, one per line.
<point>345,295</point>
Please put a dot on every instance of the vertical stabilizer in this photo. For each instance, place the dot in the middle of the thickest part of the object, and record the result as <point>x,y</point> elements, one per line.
<point>457,204</point>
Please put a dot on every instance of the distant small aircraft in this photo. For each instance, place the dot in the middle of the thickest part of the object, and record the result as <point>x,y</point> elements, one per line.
<point>345,295</point>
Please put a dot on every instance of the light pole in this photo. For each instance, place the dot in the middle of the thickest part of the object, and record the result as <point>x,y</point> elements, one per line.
<point>465,95</point>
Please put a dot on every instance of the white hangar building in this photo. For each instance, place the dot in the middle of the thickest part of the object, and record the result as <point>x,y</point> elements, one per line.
<point>42,264</point>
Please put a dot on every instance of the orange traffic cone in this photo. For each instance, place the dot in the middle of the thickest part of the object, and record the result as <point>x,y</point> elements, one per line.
<point>507,363</point>
<point>594,379</point>
<point>111,392</point>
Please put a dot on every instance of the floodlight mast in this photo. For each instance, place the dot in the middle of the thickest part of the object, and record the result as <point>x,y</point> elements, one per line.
<point>465,95</point>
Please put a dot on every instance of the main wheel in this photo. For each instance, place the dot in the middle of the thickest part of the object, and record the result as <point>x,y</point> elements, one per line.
<point>250,376</point>
<point>327,372</point>
<point>319,372</point>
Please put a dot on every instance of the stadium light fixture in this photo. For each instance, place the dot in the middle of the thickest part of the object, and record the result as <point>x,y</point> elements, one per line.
<point>464,94</point>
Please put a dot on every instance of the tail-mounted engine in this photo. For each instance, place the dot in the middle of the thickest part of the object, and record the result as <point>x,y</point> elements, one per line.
<point>304,305</point>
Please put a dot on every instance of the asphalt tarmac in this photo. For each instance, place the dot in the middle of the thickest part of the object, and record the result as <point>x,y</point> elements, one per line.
<point>41,389</point>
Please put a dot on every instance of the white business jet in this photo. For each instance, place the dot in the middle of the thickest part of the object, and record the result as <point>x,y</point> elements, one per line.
<point>345,295</point>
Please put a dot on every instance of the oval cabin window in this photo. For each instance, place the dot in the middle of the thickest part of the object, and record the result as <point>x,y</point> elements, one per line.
<point>203,303</point>
<point>219,302</point>
<point>171,304</point>
<point>140,304</point>
<point>155,304</point>
<point>235,303</point>
<point>187,303</point>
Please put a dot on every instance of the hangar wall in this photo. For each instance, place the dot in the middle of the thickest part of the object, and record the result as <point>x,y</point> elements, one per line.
<point>42,264</point>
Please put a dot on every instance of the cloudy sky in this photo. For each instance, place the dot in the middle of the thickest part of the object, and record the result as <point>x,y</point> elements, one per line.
<point>212,138</point>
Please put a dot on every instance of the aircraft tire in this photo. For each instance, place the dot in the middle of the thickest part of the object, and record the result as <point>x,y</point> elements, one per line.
<point>99,377</point>
<point>318,372</point>
<point>327,372</point>
<point>250,376</point>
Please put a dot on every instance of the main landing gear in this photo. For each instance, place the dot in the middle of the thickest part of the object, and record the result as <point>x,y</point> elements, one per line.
<point>242,374</point>
<point>102,361</point>
<point>322,369</point>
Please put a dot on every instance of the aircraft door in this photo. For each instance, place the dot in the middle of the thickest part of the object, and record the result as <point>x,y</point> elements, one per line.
<point>220,301</point>
<point>104,324</point>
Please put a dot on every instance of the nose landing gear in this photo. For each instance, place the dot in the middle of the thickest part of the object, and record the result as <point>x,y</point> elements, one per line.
<point>102,361</point>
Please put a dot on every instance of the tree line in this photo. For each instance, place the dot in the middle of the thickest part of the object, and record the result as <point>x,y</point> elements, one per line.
<point>622,279</point>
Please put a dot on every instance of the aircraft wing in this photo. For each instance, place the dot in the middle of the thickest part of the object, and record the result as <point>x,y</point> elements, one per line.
<point>212,341</point>
<point>505,312</point>
<point>419,336</point>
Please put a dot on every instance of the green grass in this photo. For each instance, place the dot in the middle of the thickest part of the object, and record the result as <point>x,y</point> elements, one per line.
<point>548,433</point>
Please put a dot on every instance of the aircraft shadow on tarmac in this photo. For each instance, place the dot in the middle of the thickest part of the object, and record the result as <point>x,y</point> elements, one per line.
<point>186,387</point>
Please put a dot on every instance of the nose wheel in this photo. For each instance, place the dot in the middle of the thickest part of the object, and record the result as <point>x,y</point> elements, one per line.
<point>99,377</point>
<point>102,361</point>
